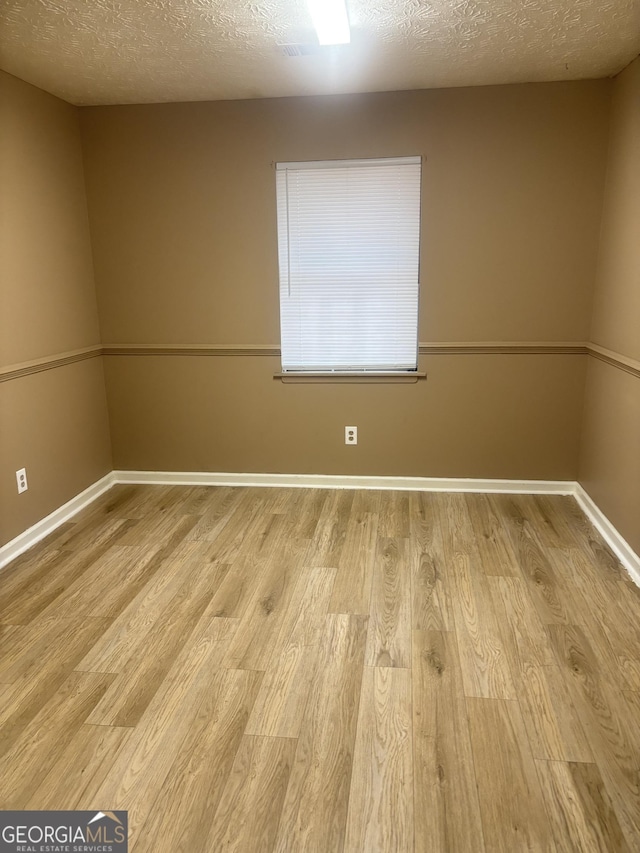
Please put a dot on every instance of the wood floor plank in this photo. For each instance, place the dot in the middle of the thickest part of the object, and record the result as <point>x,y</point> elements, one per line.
<point>124,501</point>
<point>136,684</point>
<point>281,703</point>
<point>25,648</point>
<point>216,514</point>
<point>87,595</point>
<point>331,530</point>
<point>579,808</point>
<point>54,641</point>
<point>314,812</point>
<point>457,535</point>
<point>511,805</point>
<point>251,528</point>
<point>367,501</point>
<point>127,635</point>
<point>551,720</point>
<point>85,539</point>
<point>432,608</point>
<point>607,721</point>
<point>34,752</point>
<point>114,580</point>
<point>181,708</point>
<point>630,668</point>
<point>38,669</point>
<point>28,568</point>
<point>273,591</point>
<point>431,591</point>
<point>13,639</point>
<point>45,551</point>
<point>442,757</point>
<point>198,500</point>
<point>620,620</point>
<point>306,507</point>
<point>526,638</point>
<point>253,565</point>
<point>599,705</point>
<point>352,587</point>
<point>159,527</point>
<point>483,656</point>
<point>545,585</point>
<point>561,524</point>
<point>551,523</point>
<point>249,811</point>
<point>286,498</point>
<point>389,635</point>
<point>235,592</point>
<point>632,699</point>
<point>599,609</point>
<point>494,546</point>
<point>40,589</point>
<point>394,515</point>
<point>182,814</point>
<point>380,815</point>
<point>78,769</point>
<point>552,723</point>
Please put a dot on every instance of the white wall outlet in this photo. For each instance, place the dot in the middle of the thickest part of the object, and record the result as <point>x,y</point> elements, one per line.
<point>351,435</point>
<point>21,479</point>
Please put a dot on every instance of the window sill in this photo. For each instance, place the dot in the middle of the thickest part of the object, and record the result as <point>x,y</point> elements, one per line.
<point>401,377</point>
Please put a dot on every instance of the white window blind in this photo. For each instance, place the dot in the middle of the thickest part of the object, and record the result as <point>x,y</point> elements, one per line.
<point>348,251</point>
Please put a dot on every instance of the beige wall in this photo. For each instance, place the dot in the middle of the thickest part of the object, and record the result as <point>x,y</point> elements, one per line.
<point>182,206</point>
<point>610,457</point>
<point>502,416</point>
<point>182,211</point>
<point>47,270</point>
<point>53,422</point>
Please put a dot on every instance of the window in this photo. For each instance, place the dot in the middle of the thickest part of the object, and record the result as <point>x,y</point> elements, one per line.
<point>348,252</point>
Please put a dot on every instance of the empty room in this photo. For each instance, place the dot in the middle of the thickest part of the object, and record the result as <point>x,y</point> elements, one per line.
<point>319,426</point>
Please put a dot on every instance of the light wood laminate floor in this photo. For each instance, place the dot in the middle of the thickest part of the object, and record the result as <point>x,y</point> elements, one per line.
<point>316,670</point>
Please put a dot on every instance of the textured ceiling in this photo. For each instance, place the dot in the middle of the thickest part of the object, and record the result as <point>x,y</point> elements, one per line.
<point>133,51</point>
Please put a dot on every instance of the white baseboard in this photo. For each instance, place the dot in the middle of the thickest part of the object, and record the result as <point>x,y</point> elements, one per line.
<point>620,547</point>
<point>43,528</point>
<point>335,481</point>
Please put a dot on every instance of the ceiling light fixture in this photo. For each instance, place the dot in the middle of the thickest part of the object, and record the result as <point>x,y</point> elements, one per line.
<point>330,20</point>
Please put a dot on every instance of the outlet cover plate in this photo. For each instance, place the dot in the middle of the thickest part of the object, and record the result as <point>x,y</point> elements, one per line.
<point>21,480</point>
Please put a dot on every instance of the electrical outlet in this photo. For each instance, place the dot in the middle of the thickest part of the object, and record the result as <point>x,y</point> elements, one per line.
<point>21,480</point>
<point>351,435</point>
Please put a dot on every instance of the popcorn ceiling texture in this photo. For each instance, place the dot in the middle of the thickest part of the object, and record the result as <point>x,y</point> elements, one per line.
<point>139,51</point>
